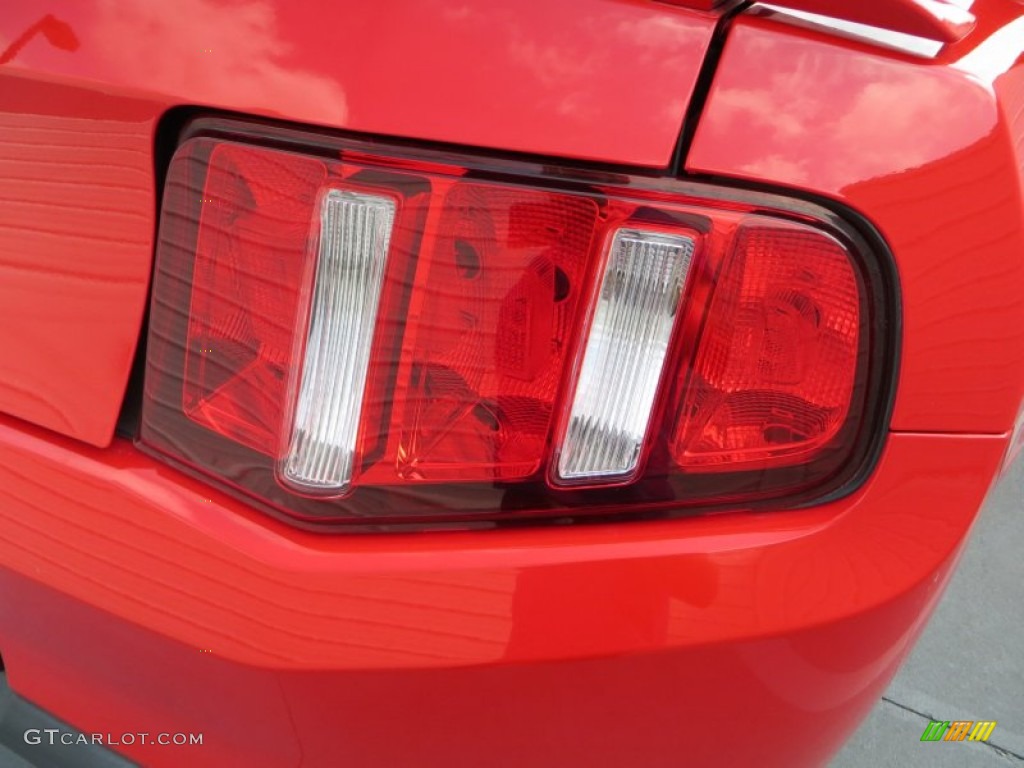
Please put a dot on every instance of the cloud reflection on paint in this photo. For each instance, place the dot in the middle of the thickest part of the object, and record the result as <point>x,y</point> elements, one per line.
<point>878,118</point>
<point>215,52</point>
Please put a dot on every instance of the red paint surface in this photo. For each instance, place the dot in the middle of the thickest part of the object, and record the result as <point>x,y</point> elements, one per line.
<point>599,80</point>
<point>931,154</point>
<point>76,231</point>
<point>527,77</point>
<point>638,643</point>
<point>148,567</point>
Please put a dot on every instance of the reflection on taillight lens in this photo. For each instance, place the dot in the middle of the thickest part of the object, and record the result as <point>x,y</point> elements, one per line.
<point>356,338</point>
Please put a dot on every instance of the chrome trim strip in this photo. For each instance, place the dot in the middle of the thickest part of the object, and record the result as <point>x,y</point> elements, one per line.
<point>883,38</point>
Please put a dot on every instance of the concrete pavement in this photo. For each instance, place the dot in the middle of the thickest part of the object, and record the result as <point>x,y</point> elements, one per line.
<point>969,662</point>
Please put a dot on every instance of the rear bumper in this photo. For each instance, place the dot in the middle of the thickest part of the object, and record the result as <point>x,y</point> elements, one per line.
<point>134,601</point>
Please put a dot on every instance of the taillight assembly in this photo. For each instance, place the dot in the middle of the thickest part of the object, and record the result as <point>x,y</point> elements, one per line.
<point>356,334</point>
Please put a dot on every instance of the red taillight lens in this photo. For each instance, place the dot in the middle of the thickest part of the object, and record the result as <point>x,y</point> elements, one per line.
<point>351,337</point>
<point>776,365</point>
<point>251,252</point>
<point>498,306</point>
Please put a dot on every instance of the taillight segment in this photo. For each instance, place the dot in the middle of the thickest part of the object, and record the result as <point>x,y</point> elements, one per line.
<point>492,322</point>
<point>774,373</point>
<point>353,242</point>
<point>352,336</point>
<point>624,352</point>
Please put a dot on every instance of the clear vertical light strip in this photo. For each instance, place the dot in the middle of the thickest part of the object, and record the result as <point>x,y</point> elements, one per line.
<point>355,231</point>
<point>626,347</point>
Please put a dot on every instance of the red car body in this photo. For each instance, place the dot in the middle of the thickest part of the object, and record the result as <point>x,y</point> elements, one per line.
<point>137,599</point>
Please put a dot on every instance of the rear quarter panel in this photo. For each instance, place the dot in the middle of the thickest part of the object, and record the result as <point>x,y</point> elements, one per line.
<point>930,152</point>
